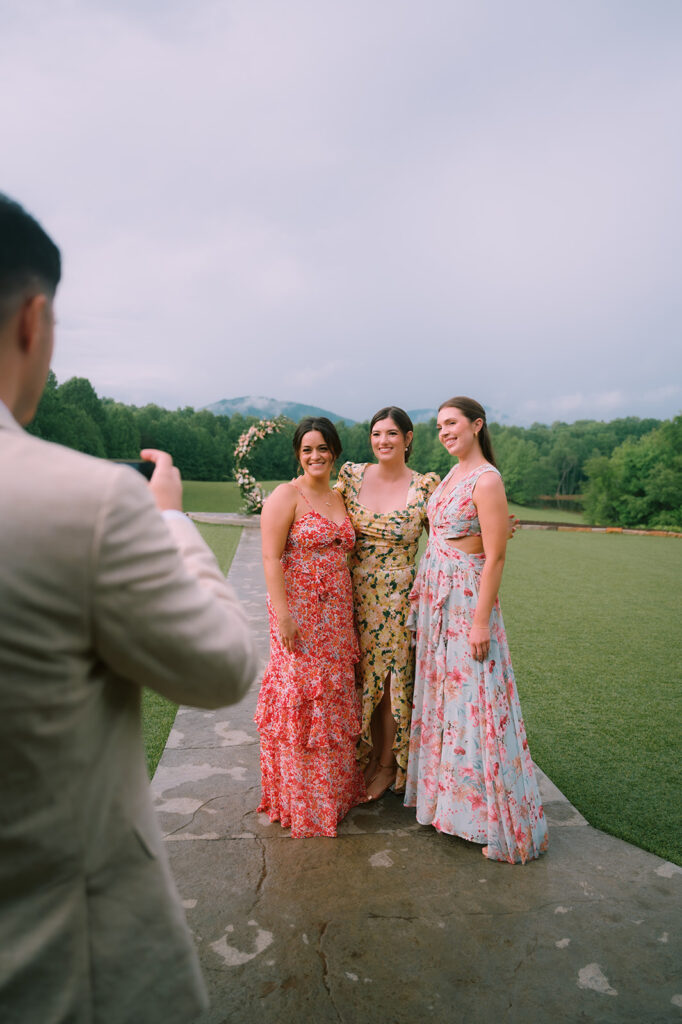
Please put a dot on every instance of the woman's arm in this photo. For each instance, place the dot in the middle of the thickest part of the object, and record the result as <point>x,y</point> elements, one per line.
<point>491,505</point>
<point>276,519</point>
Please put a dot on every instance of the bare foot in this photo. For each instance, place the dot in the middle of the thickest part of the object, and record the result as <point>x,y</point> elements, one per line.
<point>383,780</point>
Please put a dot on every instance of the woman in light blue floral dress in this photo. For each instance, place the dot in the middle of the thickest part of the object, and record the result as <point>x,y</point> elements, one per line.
<point>470,772</point>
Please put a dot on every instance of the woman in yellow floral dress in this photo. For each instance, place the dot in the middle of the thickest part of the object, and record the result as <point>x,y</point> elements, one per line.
<point>386,502</point>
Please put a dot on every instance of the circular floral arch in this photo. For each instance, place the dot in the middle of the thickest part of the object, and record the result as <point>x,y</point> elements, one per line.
<point>252,493</point>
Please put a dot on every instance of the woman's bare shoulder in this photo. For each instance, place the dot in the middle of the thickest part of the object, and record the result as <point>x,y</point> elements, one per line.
<point>283,497</point>
<point>490,481</point>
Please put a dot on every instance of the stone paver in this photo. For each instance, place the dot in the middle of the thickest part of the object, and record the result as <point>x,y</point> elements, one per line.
<point>391,922</point>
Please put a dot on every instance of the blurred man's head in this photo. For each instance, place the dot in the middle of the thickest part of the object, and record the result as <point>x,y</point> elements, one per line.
<point>30,270</point>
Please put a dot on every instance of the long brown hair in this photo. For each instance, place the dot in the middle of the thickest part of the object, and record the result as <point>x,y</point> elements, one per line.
<point>473,410</point>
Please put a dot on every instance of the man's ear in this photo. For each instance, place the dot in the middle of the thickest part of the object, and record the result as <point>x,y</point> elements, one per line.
<point>31,319</point>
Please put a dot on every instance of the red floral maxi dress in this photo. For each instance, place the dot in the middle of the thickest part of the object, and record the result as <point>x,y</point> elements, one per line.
<point>308,713</point>
<point>470,772</point>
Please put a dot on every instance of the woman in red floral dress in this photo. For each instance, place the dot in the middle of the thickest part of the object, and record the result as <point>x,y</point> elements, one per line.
<point>308,713</point>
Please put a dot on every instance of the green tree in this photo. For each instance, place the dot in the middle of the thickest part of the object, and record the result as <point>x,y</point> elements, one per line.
<point>525,474</point>
<point>425,447</point>
<point>79,393</point>
<point>640,484</point>
<point>79,431</point>
<point>120,430</point>
<point>354,442</point>
<point>46,423</point>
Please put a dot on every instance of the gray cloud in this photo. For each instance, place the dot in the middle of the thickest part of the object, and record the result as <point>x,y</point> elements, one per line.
<point>360,203</point>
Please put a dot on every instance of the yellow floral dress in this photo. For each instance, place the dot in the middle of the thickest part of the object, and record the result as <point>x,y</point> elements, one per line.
<point>382,566</point>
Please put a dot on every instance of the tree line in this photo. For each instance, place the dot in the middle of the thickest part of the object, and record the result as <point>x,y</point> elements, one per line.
<point>626,472</point>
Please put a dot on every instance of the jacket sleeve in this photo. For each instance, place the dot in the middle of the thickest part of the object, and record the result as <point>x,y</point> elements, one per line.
<point>163,614</point>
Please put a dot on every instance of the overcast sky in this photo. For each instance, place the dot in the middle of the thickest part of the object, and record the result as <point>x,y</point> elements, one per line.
<point>352,203</point>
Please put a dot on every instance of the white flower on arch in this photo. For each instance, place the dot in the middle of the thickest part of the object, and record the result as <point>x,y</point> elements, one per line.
<point>253,494</point>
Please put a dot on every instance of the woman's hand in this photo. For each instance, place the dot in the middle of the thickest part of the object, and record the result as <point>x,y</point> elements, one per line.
<point>479,639</point>
<point>289,632</point>
<point>514,524</point>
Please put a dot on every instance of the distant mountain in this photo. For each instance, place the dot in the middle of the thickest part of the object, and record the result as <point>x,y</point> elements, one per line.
<point>424,415</point>
<point>269,408</point>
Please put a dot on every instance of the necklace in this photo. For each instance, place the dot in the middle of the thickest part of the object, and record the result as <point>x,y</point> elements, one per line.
<point>327,502</point>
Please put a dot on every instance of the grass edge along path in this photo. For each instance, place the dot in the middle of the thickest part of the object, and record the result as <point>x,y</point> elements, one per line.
<point>592,622</point>
<point>158,713</point>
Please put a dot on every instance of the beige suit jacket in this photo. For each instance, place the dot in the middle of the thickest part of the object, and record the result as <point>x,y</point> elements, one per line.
<point>99,596</point>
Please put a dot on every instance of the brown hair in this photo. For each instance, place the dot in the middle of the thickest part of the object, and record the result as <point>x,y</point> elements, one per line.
<point>401,420</point>
<point>473,410</point>
<point>324,427</point>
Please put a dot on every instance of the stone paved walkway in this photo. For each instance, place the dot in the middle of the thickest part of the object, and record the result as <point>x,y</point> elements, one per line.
<point>392,923</point>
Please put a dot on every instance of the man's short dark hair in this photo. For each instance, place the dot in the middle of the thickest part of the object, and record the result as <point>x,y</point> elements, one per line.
<point>29,259</point>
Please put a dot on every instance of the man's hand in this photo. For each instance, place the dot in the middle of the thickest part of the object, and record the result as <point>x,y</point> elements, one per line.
<point>165,481</point>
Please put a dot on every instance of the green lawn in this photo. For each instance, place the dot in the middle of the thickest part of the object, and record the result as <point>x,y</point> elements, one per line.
<point>593,625</point>
<point>222,540</point>
<point>201,496</point>
<point>158,714</point>
<point>545,515</point>
<point>224,496</point>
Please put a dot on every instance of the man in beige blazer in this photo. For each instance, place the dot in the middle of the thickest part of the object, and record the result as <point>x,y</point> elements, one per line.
<point>99,596</point>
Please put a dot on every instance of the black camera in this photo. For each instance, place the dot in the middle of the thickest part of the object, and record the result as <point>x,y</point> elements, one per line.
<point>143,466</point>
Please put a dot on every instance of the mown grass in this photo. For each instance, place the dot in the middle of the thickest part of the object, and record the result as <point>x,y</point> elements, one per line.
<point>202,496</point>
<point>158,713</point>
<point>593,626</point>
<point>223,541</point>
<point>223,496</point>
<point>546,515</point>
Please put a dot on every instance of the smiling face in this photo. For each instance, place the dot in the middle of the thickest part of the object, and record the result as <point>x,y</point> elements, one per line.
<point>457,433</point>
<point>388,441</point>
<point>315,455</point>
